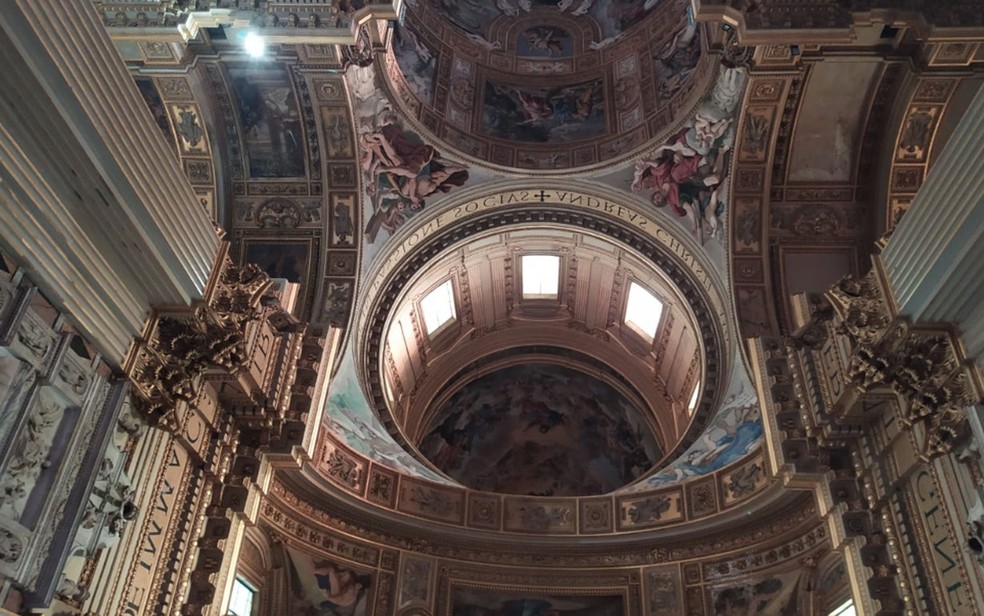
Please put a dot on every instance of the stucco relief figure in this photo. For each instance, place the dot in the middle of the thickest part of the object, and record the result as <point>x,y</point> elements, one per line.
<point>16,378</point>
<point>507,7</point>
<point>401,171</point>
<point>582,8</point>
<point>11,546</point>
<point>342,218</point>
<point>688,173</point>
<point>31,457</point>
<point>483,42</point>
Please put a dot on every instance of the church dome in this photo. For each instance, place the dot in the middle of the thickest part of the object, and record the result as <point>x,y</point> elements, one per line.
<point>540,354</point>
<point>537,85</point>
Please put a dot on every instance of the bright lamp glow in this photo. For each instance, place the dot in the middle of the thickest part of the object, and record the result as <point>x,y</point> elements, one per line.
<point>438,307</point>
<point>254,44</point>
<point>541,276</point>
<point>643,310</point>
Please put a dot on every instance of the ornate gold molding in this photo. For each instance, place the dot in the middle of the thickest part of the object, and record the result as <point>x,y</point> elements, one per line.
<point>235,365</point>
<point>923,364</point>
<point>180,346</point>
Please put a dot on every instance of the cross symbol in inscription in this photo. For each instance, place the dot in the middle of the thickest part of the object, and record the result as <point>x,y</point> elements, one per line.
<point>542,196</point>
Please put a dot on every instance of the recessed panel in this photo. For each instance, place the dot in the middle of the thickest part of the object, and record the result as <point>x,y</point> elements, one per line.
<point>830,121</point>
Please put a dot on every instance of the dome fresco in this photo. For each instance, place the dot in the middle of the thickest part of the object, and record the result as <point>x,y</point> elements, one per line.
<point>541,430</point>
<point>612,17</point>
<point>464,99</point>
<point>548,85</point>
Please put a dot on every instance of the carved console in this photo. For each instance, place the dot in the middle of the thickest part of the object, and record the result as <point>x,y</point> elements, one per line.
<point>870,351</point>
<point>227,379</point>
<point>863,407</point>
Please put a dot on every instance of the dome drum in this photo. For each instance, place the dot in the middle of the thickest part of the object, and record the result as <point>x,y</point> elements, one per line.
<point>415,362</point>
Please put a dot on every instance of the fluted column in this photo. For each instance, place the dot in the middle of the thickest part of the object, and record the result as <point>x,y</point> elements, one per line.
<point>91,197</point>
<point>935,257</point>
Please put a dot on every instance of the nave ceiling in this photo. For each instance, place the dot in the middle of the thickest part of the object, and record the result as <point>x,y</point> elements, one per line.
<point>361,172</point>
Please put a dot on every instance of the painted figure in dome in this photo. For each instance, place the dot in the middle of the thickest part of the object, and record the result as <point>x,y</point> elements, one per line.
<point>401,170</point>
<point>341,587</point>
<point>688,172</point>
<point>676,61</point>
<point>735,435</point>
<point>679,171</point>
<point>545,39</point>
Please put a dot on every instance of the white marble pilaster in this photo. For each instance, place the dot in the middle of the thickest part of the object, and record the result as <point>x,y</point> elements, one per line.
<point>935,257</point>
<point>94,202</point>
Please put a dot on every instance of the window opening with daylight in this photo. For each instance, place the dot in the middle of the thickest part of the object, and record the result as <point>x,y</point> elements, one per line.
<point>241,602</point>
<point>541,276</point>
<point>438,307</point>
<point>693,398</point>
<point>643,310</point>
<point>845,609</point>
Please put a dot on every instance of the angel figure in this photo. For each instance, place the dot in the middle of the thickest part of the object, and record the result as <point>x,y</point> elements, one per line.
<point>376,152</point>
<point>583,8</point>
<point>536,109</point>
<point>341,587</point>
<point>544,39</point>
<point>678,58</point>
<point>605,42</point>
<point>674,165</point>
<point>401,171</point>
<point>421,183</point>
<point>483,42</point>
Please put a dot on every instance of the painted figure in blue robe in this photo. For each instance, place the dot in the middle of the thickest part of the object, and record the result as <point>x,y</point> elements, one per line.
<point>735,434</point>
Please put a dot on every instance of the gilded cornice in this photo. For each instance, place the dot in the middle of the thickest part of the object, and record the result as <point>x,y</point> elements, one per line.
<point>320,522</point>
<point>710,498</point>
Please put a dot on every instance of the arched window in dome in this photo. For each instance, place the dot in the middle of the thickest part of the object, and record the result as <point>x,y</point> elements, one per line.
<point>845,609</point>
<point>438,307</point>
<point>693,398</point>
<point>541,276</point>
<point>241,602</point>
<point>643,311</point>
